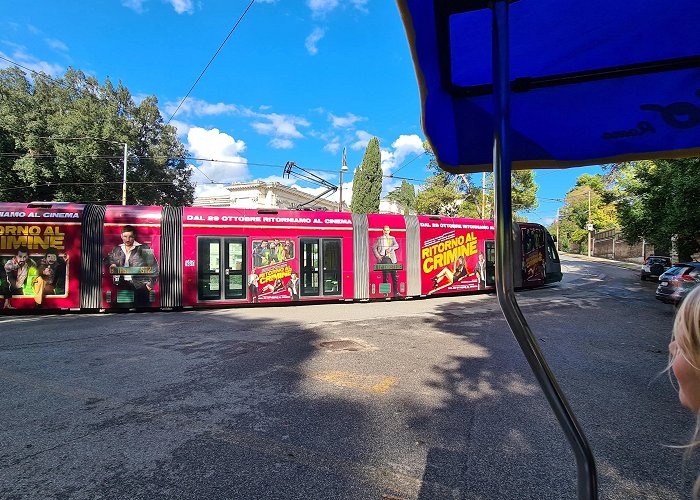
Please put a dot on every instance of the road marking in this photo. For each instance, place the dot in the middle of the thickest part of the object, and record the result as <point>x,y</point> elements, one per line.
<point>375,384</point>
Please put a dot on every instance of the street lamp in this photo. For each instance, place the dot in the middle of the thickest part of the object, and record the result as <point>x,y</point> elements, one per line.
<point>343,169</point>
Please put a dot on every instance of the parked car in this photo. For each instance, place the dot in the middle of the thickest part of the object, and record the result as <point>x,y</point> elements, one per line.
<point>654,266</point>
<point>677,282</point>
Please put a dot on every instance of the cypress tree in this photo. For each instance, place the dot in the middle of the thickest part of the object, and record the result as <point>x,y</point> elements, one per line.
<point>367,183</point>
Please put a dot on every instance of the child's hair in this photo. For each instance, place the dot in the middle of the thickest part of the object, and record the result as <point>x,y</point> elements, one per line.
<point>686,334</point>
<point>686,327</point>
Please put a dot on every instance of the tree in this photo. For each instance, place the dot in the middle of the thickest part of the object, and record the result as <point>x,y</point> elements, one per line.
<point>404,195</point>
<point>62,139</point>
<point>575,214</point>
<point>367,182</point>
<point>438,197</point>
<point>460,195</point>
<point>659,199</point>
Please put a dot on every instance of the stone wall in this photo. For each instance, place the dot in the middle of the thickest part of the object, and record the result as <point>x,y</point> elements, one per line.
<point>610,245</point>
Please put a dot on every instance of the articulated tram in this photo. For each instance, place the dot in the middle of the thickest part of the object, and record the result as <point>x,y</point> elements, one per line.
<point>65,256</point>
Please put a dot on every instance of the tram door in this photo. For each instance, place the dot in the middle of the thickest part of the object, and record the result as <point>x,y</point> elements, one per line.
<point>320,267</point>
<point>490,257</point>
<point>221,268</point>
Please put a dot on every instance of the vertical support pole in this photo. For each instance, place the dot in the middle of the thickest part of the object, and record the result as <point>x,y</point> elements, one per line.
<point>557,229</point>
<point>587,478</point>
<point>483,195</point>
<point>588,227</point>
<point>340,203</point>
<point>124,177</point>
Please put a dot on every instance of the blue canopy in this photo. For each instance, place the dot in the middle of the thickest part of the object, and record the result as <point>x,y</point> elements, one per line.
<point>592,81</point>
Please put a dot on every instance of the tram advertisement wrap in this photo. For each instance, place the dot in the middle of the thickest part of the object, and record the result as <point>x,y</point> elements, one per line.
<point>387,255</point>
<point>533,248</point>
<point>272,275</point>
<point>452,255</point>
<point>40,257</point>
<point>131,253</point>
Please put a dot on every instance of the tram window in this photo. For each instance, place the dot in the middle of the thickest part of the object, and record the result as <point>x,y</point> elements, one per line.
<point>221,268</point>
<point>309,268</point>
<point>320,267</point>
<point>552,254</point>
<point>331,267</point>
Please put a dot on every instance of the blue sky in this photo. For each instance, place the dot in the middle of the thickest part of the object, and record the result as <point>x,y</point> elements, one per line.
<point>298,80</point>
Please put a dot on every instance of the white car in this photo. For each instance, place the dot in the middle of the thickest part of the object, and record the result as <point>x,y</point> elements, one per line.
<point>654,266</point>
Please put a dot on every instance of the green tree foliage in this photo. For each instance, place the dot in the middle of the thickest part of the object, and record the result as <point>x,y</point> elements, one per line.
<point>367,182</point>
<point>574,216</point>
<point>38,164</point>
<point>463,195</point>
<point>438,197</point>
<point>658,199</point>
<point>404,195</point>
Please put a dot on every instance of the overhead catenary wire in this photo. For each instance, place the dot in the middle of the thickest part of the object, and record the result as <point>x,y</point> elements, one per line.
<point>210,61</point>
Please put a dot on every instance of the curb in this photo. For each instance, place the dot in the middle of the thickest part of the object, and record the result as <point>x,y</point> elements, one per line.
<point>632,266</point>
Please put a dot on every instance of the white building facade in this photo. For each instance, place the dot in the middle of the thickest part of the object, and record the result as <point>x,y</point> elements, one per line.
<point>260,194</point>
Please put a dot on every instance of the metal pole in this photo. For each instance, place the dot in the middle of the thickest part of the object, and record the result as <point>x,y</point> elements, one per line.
<point>340,203</point>
<point>124,179</point>
<point>587,478</point>
<point>589,222</point>
<point>483,195</point>
<point>557,229</point>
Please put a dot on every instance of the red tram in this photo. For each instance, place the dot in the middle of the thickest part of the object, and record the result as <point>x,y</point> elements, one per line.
<point>90,257</point>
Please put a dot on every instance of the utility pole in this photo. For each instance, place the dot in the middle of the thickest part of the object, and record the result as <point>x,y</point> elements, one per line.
<point>589,226</point>
<point>557,229</point>
<point>343,169</point>
<point>483,195</point>
<point>124,177</point>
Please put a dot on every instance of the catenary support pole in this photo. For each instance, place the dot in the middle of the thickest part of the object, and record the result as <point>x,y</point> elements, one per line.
<point>587,479</point>
<point>124,176</point>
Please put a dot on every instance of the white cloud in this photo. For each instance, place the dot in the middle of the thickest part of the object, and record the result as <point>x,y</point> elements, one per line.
<point>345,121</point>
<point>199,107</point>
<point>313,39</point>
<point>332,147</point>
<point>363,138</point>
<point>135,5</point>
<point>182,6</point>
<point>231,167</point>
<point>57,44</point>
<point>181,127</point>
<point>406,147</point>
<point>204,188</point>
<point>278,143</point>
<point>322,7</point>
<point>360,5</point>
<point>283,128</point>
<point>20,56</point>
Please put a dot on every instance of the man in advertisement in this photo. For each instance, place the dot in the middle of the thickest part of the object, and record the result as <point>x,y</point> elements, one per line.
<point>51,276</point>
<point>480,271</point>
<point>385,252</point>
<point>20,270</point>
<point>293,286</point>
<point>133,266</point>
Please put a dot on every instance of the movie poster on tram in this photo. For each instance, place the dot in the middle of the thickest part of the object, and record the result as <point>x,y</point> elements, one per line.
<point>453,255</point>
<point>40,257</point>
<point>533,248</point>
<point>131,256</point>
<point>387,255</point>
<point>272,275</point>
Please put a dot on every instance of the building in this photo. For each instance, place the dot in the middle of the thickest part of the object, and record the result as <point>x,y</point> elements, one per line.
<point>261,194</point>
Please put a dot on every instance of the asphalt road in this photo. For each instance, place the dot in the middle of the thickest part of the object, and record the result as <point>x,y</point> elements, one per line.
<point>416,399</point>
